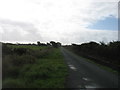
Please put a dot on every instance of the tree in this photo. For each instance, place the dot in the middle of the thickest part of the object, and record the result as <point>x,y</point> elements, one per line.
<point>48,44</point>
<point>38,43</point>
<point>56,45</point>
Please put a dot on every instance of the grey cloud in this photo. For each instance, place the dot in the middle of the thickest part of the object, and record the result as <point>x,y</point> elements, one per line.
<point>19,31</point>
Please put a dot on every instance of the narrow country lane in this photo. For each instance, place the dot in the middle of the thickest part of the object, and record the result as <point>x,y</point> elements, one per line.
<point>83,74</point>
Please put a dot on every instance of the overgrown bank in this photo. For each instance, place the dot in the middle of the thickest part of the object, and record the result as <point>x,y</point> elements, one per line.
<point>33,67</point>
<point>104,54</point>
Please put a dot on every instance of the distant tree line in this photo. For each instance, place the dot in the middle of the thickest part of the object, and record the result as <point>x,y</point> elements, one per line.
<point>52,44</point>
<point>108,54</point>
<point>7,50</point>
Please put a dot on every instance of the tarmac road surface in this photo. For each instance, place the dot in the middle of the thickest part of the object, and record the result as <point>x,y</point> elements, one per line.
<point>84,74</point>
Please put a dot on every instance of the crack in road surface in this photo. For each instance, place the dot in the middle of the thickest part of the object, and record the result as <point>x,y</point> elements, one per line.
<point>83,74</point>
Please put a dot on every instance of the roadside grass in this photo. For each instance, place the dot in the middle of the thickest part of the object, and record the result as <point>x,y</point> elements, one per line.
<point>36,69</point>
<point>103,67</point>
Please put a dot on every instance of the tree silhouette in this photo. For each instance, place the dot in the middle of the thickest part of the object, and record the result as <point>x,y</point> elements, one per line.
<point>38,43</point>
<point>54,44</point>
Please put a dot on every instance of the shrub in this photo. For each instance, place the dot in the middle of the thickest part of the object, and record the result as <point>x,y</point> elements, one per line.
<point>6,50</point>
<point>13,83</point>
<point>20,51</point>
<point>8,69</point>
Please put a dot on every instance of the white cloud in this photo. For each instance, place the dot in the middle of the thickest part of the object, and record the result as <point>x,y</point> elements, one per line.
<point>84,35</point>
<point>62,20</point>
<point>18,31</point>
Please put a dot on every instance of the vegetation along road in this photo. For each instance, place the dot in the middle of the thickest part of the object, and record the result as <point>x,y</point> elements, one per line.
<point>84,74</point>
<point>32,66</point>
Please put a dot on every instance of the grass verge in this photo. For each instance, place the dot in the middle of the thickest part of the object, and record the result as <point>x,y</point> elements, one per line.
<point>104,67</point>
<point>35,69</point>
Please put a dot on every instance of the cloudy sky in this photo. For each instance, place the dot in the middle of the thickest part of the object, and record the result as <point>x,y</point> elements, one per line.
<point>66,21</point>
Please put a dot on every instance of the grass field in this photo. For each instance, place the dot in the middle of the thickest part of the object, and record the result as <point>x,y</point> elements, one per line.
<point>40,67</point>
